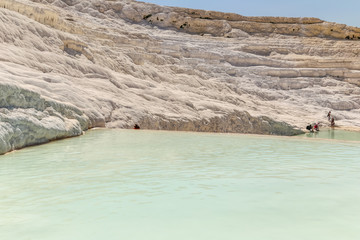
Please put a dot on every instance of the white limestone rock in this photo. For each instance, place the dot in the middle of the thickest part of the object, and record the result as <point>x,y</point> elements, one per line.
<point>66,66</point>
<point>25,127</point>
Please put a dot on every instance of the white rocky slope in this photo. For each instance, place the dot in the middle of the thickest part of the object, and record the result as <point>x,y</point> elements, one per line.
<point>70,65</point>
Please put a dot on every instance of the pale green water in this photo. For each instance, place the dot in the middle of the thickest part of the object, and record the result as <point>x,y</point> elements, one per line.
<point>334,134</point>
<point>126,184</point>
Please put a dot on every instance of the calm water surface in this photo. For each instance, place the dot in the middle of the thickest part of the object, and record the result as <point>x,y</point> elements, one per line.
<point>126,184</point>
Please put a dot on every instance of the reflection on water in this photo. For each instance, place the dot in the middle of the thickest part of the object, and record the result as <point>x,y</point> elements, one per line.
<point>123,184</point>
<point>334,134</point>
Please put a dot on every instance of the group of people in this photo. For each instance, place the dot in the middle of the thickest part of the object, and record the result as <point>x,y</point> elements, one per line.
<point>315,126</point>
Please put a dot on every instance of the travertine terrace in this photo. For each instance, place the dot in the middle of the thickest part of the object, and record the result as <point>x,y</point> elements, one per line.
<point>70,65</point>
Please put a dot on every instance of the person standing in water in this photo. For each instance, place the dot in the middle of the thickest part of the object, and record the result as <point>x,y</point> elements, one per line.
<point>332,122</point>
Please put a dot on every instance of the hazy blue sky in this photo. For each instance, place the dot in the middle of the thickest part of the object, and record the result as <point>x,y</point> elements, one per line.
<point>340,11</point>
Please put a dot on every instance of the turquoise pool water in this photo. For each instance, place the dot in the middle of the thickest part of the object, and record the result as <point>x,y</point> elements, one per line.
<point>154,185</point>
<point>334,134</point>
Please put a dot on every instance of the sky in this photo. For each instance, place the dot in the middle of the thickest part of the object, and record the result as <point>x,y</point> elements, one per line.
<point>340,11</point>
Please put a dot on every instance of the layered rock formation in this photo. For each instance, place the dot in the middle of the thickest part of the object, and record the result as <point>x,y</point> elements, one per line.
<point>70,65</point>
